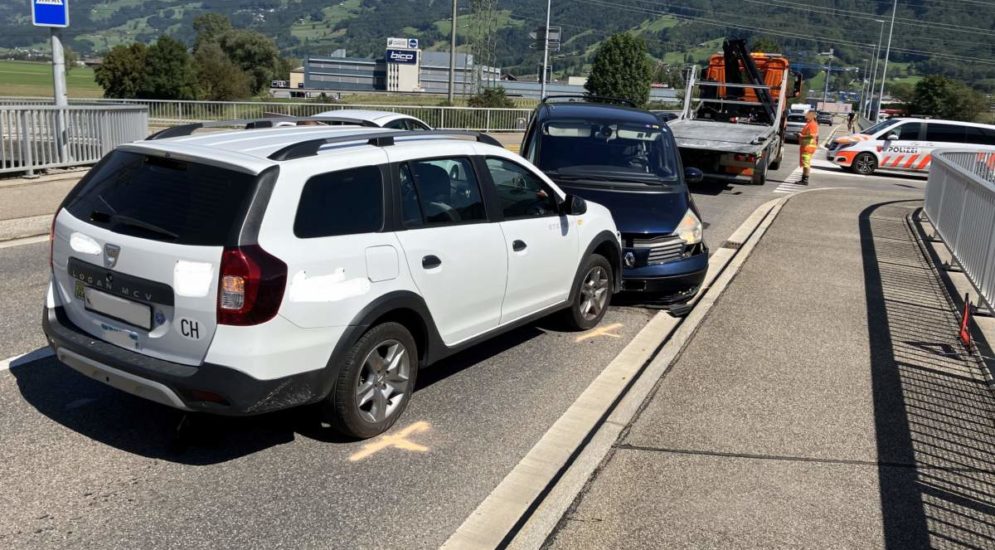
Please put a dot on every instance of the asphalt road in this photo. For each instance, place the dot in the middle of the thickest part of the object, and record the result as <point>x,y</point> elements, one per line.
<point>84,465</point>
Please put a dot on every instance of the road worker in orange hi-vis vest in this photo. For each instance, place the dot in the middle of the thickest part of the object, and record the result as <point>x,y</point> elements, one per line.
<point>808,144</point>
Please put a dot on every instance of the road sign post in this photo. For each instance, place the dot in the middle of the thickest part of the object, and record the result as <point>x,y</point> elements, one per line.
<point>54,14</point>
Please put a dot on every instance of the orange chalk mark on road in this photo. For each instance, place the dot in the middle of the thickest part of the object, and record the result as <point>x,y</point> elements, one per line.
<point>398,441</point>
<point>600,331</point>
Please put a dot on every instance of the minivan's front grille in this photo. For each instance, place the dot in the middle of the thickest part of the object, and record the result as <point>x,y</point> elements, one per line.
<point>661,249</point>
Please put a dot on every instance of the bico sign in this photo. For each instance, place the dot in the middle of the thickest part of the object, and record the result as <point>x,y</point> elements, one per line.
<point>405,57</point>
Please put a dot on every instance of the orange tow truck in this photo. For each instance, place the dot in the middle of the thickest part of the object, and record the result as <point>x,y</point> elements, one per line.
<point>733,127</point>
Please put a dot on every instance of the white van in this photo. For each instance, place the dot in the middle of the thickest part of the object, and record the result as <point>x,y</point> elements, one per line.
<point>799,108</point>
<point>907,144</point>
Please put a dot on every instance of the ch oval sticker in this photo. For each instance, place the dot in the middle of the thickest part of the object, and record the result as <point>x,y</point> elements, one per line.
<point>189,328</point>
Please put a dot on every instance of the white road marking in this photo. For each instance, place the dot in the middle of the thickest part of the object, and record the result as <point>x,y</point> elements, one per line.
<point>21,242</point>
<point>25,358</point>
<point>790,183</point>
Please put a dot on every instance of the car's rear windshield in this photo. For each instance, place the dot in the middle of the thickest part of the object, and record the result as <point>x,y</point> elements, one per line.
<point>796,118</point>
<point>164,199</point>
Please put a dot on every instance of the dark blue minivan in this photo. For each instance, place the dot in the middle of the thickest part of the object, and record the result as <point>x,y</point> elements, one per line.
<point>627,160</point>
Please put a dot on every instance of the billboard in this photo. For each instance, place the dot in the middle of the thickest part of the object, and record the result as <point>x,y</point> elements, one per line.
<point>404,57</point>
<point>404,43</point>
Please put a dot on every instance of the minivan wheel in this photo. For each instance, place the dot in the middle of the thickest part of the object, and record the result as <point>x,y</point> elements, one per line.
<point>864,164</point>
<point>375,382</point>
<point>591,299</point>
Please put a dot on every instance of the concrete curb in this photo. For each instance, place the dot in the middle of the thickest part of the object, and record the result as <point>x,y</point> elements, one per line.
<point>526,506</point>
<point>17,229</point>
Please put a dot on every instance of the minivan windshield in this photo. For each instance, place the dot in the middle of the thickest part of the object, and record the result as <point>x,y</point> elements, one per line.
<point>163,199</point>
<point>616,152</point>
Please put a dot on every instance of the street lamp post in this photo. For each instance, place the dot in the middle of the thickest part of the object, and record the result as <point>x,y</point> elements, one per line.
<point>452,57</point>
<point>829,72</point>
<point>874,71</point>
<point>887,53</point>
<point>545,52</point>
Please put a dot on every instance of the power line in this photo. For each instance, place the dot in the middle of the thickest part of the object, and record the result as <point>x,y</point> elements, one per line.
<point>773,32</point>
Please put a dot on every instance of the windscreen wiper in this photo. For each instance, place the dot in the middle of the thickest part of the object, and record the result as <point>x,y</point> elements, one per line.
<point>99,216</point>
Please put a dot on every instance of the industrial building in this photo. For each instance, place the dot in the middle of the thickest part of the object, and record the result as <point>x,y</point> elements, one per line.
<point>404,67</point>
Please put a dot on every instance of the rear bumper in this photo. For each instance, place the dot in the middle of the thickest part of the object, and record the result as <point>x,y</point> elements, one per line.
<point>206,388</point>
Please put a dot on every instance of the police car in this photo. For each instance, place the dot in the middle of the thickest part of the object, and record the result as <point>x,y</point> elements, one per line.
<point>907,144</point>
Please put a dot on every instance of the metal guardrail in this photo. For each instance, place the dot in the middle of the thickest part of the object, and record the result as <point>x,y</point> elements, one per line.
<point>960,203</point>
<point>30,138</point>
<point>169,112</point>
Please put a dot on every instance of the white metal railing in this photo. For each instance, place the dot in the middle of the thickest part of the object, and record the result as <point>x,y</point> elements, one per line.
<point>30,138</point>
<point>170,112</point>
<point>960,203</point>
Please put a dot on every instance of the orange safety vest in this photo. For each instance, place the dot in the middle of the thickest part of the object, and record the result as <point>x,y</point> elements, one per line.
<point>809,138</point>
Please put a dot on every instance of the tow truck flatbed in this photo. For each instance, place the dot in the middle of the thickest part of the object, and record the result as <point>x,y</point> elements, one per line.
<point>726,137</point>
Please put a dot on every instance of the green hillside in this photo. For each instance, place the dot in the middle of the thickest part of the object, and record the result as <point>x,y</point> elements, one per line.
<point>956,39</point>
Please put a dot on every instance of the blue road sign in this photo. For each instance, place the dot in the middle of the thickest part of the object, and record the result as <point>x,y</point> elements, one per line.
<point>50,13</point>
<point>413,43</point>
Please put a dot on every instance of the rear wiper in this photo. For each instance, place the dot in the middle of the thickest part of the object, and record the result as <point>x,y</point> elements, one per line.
<point>99,216</point>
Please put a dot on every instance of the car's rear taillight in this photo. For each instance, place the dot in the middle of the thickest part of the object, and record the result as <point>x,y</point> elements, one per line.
<point>250,286</point>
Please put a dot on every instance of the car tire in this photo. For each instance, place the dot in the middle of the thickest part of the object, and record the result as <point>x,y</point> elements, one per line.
<point>864,164</point>
<point>760,172</point>
<point>374,383</point>
<point>776,163</point>
<point>592,295</point>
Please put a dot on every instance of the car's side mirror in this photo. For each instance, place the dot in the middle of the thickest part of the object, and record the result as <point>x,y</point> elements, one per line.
<point>693,175</point>
<point>891,137</point>
<point>573,205</point>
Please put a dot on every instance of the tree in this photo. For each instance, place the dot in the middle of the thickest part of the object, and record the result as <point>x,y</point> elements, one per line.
<point>209,28</point>
<point>765,44</point>
<point>491,97</point>
<point>941,97</point>
<point>122,72</point>
<point>255,53</point>
<point>218,78</point>
<point>903,92</point>
<point>70,57</point>
<point>169,71</point>
<point>621,69</point>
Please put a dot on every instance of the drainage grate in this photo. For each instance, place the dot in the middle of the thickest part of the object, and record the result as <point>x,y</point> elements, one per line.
<point>732,245</point>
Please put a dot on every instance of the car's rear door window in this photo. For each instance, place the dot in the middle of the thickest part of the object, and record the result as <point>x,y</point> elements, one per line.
<point>164,199</point>
<point>948,133</point>
<point>346,202</point>
<point>440,192</point>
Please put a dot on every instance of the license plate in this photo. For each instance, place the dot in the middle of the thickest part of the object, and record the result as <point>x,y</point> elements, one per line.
<point>133,313</point>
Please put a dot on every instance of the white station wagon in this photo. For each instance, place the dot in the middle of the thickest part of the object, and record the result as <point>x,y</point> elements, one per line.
<point>248,271</point>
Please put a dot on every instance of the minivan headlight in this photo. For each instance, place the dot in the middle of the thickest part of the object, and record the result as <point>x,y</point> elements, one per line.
<point>690,229</point>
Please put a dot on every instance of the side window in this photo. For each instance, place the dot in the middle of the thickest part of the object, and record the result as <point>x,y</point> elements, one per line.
<point>415,125</point>
<point>396,125</point>
<point>341,203</point>
<point>944,132</point>
<point>411,212</point>
<point>979,136</point>
<point>909,131</point>
<point>522,193</point>
<point>447,193</point>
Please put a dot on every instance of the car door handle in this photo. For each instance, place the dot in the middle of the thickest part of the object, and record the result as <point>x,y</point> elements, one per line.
<point>430,262</point>
<point>519,246</point>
